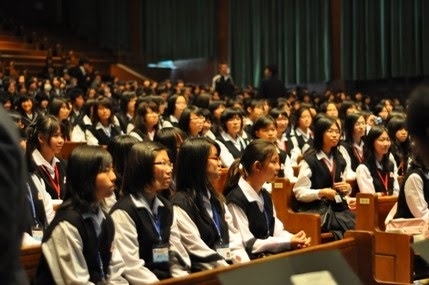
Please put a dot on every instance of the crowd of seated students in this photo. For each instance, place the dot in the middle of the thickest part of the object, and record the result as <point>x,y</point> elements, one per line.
<point>149,128</point>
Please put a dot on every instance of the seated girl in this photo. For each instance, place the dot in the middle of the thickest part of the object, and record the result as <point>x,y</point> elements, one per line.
<point>251,205</point>
<point>321,186</point>
<point>378,172</point>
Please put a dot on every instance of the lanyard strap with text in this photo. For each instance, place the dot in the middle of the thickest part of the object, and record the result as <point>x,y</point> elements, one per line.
<point>384,180</point>
<point>54,181</point>
<point>216,220</point>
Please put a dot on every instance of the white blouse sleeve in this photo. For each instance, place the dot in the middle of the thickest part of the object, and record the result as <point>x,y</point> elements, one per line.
<point>302,189</point>
<point>277,243</point>
<point>180,263</point>
<point>191,239</point>
<point>288,170</point>
<point>46,198</point>
<point>90,138</point>
<point>225,156</point>
<point>126,239</point>
<point>64,254</point>
<point>415,198</point>
<point>236,243</point>
<point>364,179</point>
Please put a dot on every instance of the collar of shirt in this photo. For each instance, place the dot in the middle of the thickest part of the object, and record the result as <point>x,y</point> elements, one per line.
<point>378,165</point>
<point>359,146</point>
<point>140,202</point>
<point>208,204</point>
<point>107,130</point>
<point>306,135</point>
<point>250,193</point>
<point>321,155</point>
<point>97,219</point>
<point>41,161</point>
<point>238,143</point>
<point>173,119</point>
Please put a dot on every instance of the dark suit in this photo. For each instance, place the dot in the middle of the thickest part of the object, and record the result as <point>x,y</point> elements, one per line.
<point>12,202</point>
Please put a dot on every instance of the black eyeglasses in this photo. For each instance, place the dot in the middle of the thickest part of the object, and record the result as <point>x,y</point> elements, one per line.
<point>164,163</point>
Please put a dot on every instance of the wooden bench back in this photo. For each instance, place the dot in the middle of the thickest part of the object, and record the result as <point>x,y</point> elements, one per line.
<point>356,248</point>
<point>285,204</point>
<point>371,211</point>
<point>393,256</point>
<point>30,257</point>
<point>67,149</point>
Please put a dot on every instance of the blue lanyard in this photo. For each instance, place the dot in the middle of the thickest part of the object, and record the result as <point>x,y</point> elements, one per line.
<point>100,263</point>
<point>216,220</point>
<point>156,221</point>
<point>30,199</point>
<point>267,222</point>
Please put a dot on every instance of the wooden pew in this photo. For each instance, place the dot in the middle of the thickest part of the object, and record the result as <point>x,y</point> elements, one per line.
<point>393,256</point>
<point>285,205</point>
<point>30,256</point>
<point>356,248</point>
<point>67,149</point>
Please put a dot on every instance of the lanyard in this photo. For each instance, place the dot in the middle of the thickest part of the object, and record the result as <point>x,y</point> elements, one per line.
<point>357,154</point>
<point>384,180</point>
<point>100,263</point>
<point>156,222</point>
<point>30,199</point>
<point>216,220</point>
<point>54,181</point>
<point>331,170</point>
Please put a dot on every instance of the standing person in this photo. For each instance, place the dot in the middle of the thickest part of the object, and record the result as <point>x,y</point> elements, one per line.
<point>251,205</point>
<point>272,87</point>
<point>45,140</point>
<point>204,222</point>
<point>78,245</point>
<point>378,172</point>
<point>146,232</point>
<point>13,204</point>
<point>321,181</point>
<point>222,83</point>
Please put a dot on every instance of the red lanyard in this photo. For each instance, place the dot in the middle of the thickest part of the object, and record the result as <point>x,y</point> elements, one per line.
<point>357,155</point>
<point>384,180</point>
<point>54,181</point>
<point>332,171</point>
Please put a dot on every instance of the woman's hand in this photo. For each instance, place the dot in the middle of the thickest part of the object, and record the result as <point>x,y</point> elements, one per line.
<point>300,240</point>
<point>343,187</point>
<point>328,193</point>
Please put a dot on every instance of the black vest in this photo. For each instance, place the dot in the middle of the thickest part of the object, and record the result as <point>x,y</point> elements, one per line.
<point>261,224</point>
<point>146,232</point>
<point>403,210</point>
<point>42,173</point>
<point>91,245</point>
<point>231,147</point>
<point>350,150</point>
<point>204,223</point>
<point>101,136</point>
<point>321,178</point>
<point>378,183</point>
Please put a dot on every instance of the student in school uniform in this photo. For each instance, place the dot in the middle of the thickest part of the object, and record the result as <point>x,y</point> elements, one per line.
<point>352,147</point>
<point>251,205</point>
<point>266,128</point>
<point>103,128</point>
<point>78,246</point>
<point>378,172</point>
<point>321,186</point>
<point>146,231</point>
<point>45,140</point>
<point>204,222</point>
<point>301,137</point>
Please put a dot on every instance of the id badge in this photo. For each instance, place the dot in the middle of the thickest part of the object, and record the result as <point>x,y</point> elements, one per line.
<point>160,254</point>
<point>37,234</point>
<point>224,251</point>
<point>338,199</point>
